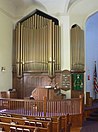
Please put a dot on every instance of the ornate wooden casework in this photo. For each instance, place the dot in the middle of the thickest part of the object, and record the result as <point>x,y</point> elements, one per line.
<point>36,57</point>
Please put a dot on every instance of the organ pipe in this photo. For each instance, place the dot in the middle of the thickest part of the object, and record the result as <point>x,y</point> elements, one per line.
<point>37,45</point>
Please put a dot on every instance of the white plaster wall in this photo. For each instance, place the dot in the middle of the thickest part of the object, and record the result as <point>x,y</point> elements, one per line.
<point>65,46</point>
<point>6,36</point>
<point>65,42</point>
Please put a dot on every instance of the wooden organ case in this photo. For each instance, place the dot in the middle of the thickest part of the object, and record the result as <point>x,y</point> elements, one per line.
<point>36,53</point>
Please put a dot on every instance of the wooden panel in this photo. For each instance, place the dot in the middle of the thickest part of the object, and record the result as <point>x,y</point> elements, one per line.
<point>24,86</point>
<point>76,120</point>
<point>89,99</point>
<point>40,93</point>
<point>75,93</point>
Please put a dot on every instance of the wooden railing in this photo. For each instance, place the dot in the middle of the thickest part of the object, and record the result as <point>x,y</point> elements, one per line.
<point>42,107</point>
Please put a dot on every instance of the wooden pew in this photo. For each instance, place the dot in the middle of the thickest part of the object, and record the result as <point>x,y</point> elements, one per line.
<point>23,121</point>
<point>7,127</point>
<point>30,122</point>
<point>59,123</point>
<point>55,121</point>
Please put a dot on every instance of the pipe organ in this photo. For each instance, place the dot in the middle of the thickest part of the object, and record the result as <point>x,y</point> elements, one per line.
<point>38,44</point>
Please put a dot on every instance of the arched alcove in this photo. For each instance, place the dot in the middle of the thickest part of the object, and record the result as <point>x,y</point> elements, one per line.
<point>91,33</point>
<point>77,60</point>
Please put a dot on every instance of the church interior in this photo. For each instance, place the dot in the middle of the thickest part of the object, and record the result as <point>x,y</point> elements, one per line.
<point>48,73</point>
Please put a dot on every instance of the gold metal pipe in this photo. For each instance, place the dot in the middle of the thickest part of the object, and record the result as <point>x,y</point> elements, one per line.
<point>55,43</point>
<point>23,58</point>
<point>39,53</point>
<point>46,42</point>
<point>38,29</point>
<point>50,56</point>
<point>50,39</point>
<point>30,44</point>
<point>31,41</point>
<point>21,53</point>
<point>26,43</point>
<point>36,52</point>
<point>59,48</point>
<point>18,52</point>
<point>53,49</point>
<point>30,47</point>
<point>43,30</point>
<point>41,43</point>
<point>45,57</point>
<point>16,42</point>
<point>34,40</point>
<point>37,40</point>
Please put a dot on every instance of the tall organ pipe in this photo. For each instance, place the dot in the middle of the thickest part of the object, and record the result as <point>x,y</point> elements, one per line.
<point>37,46</point>
<point>50,51</point>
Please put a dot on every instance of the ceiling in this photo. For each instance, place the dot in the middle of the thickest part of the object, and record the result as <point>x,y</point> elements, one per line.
<point>17,8</point>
